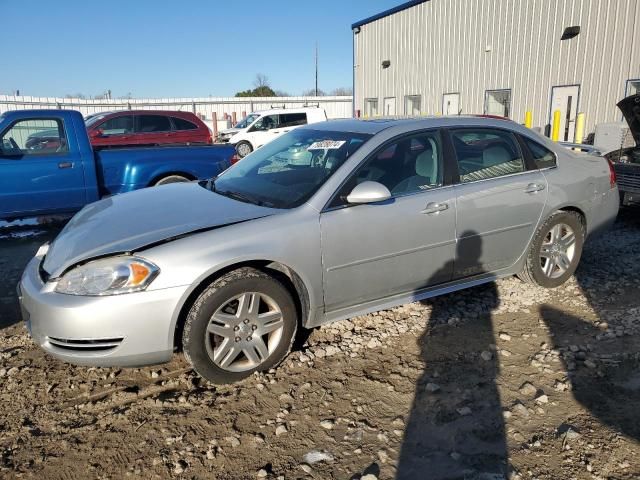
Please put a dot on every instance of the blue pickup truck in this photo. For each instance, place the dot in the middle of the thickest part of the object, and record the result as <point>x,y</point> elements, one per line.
<point>47,165</point>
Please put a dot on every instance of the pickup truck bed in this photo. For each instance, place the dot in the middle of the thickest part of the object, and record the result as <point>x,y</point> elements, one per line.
<point>64,173</point>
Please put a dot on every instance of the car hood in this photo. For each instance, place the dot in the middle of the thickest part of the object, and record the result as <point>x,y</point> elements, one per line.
<point>131,221</point>
<point>630,108</point>
<point>229,131</point>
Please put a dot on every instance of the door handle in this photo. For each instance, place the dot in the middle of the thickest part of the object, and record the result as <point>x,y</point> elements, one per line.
<point>433,207</point>
<point>534,188</point>
<point>65,165</point>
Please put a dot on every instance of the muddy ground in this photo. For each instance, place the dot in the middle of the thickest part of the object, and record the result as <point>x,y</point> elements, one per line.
<point>501,381</point>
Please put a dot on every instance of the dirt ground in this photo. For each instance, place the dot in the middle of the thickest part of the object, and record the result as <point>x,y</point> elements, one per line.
<point>500,381</point>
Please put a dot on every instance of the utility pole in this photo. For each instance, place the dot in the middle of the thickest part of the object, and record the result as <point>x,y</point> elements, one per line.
<point>316,69</point>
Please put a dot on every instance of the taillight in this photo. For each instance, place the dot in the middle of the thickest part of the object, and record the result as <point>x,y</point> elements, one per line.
<point>234,159</point>
<point>612,174</point>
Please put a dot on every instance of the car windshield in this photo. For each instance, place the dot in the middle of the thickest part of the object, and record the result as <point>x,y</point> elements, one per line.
<point>286,172</point>
<point>91,119</point>
<point>248,120</point>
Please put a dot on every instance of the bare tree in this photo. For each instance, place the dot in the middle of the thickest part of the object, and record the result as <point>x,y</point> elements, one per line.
<point>342,91</point>
<point>312,93</point>
<point>75,95</point>
<point>261,80</point>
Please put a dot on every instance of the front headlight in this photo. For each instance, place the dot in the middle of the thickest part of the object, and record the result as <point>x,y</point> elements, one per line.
<point>109,276</point>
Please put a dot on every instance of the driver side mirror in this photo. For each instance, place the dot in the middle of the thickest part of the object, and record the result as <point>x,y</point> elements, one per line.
<point>369,192</point>
<point>97,133</point>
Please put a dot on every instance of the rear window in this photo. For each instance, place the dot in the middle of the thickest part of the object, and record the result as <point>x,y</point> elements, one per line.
<point>182,124</point>
<point>153,123</point>
<point>293,119</point>
<point>542,156</point>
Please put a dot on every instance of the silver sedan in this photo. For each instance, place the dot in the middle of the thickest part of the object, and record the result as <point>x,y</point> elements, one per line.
<point>327,222</point>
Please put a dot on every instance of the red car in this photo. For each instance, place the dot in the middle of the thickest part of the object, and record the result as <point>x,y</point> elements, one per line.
<point>146,128</point>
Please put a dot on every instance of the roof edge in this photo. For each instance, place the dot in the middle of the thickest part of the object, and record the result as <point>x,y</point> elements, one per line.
<point>388,12</point>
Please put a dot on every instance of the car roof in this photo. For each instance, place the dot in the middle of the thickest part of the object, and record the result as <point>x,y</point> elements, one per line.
<point>171,113</point>
<point>376,125</point>
<point>274,111</point>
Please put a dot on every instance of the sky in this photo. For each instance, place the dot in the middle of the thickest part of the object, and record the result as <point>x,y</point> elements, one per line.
<point>188,48</point>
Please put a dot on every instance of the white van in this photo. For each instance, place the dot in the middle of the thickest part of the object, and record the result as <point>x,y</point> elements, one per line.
<point>270,124</point>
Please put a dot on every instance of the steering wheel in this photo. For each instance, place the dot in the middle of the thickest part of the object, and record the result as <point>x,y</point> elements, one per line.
<point>13,143</point>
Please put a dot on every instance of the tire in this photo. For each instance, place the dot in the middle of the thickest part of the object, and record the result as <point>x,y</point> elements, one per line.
<point>171,179</point>
<point>221,345</point>
<point>552,256</point>
<point>243,149</point>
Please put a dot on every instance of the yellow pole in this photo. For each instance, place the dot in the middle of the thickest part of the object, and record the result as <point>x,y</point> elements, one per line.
<point>579,128</point>
<point>528,119</point>
<point>555,128</point>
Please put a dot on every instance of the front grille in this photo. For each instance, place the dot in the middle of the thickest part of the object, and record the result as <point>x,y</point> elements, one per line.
<point>91,345</point>
<point>628,182</point>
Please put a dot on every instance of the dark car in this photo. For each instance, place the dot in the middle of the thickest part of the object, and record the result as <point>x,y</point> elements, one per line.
<point>146,128</point>
<point>627,160</point>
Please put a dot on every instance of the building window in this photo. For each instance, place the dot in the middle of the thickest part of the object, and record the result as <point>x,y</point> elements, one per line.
<point>371,107</point>
<point>412,105</point>
<point>497,102</point>
<point>633,87</point>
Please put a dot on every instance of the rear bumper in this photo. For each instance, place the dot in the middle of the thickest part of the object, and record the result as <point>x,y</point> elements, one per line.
<point>121,330</point>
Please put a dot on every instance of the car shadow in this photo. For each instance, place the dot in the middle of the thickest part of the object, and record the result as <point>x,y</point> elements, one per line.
<point>17,246</point>
<point>455,429</point>
<point>598,351</point>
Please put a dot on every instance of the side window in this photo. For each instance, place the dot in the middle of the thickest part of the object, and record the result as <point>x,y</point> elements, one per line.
<point>410,164</point>
<point>153,123</point>
<point>35,137</point>
<point>117,126</point>
<point>182,124</point>
<point>486,153</point>
<point>268,122</point>
<point>293,119</point>
<point>542,156</point>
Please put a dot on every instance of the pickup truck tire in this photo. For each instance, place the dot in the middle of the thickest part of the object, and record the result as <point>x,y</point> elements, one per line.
<point>555,250</point>
<point>243,322</point>
<point>243,149</point>
<point>170,179</point>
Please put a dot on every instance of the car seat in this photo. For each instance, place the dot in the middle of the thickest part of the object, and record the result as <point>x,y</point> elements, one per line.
<point>426,173</point>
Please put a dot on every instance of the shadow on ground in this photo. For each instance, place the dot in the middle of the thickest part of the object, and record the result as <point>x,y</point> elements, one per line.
<point>17,246</point>
<point>601,358</point>
<point>455,429</point>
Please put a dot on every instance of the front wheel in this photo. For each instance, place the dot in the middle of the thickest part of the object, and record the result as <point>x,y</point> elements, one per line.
<point>555,250</point>
<point>244,322</point>
<point>243,149</point>
<point>170,179</point>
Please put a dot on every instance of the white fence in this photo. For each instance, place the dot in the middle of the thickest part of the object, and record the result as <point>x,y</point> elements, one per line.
<point>232,107</point>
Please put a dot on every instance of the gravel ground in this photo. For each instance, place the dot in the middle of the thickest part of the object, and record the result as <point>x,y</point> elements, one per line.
<point>500,381</point>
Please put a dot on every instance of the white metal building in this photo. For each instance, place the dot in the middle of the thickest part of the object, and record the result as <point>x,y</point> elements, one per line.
<point>499,57</point>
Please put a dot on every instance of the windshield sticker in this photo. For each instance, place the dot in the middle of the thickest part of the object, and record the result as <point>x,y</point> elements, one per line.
<point>326,145</point>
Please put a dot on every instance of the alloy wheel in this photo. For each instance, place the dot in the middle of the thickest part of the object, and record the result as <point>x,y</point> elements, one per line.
<point>244,331</point>
<point>244,150</point>
<point>558,250</point>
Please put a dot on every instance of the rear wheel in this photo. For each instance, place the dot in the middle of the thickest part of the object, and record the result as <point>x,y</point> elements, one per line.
<point>243,149</point>
<point>244,322</point>
<point>555,251</point>
<point>171,179</point>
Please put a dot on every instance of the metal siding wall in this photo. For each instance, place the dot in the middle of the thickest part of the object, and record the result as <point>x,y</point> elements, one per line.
<point>439,46</point>
<point>336,107</point>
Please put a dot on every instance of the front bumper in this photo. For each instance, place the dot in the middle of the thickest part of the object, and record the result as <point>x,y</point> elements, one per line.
<point>122,330</point>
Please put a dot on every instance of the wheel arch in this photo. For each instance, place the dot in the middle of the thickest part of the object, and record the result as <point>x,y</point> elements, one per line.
<point>162,175</point>
<point>285,274</point>
<point>574,209</point>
